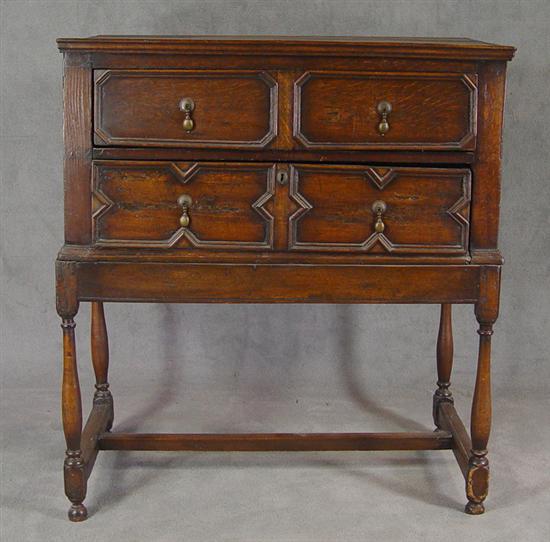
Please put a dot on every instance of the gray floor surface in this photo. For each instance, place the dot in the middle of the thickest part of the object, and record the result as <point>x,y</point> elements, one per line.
<point>242,497</point>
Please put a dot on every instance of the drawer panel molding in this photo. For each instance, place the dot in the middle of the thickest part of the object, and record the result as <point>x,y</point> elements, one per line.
<point>138,205</point>
<point>423,210</point>
<point>179,108</point>
<point>407,111</point>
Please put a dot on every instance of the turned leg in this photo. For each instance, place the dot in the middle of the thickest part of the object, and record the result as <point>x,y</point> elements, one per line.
<point>477,479</point>
<point>71,406</point>
<point>444,361</point>
<point>100,357</point>
<point>477,475</point>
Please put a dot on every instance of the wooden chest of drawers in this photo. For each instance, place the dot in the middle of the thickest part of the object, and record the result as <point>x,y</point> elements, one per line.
<point>339,170</point>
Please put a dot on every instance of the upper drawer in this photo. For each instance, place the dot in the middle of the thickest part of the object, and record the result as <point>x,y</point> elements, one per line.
<point>385,110</point>
<point>147,108</point>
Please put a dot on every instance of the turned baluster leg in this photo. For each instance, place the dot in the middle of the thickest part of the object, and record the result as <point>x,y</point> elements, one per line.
<point>477,479</point>
<point>444,360</point>
<point>71,407</point>
<point>100,357</point>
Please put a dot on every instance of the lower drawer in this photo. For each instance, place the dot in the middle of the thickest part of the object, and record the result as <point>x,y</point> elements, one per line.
<point>280,207</point>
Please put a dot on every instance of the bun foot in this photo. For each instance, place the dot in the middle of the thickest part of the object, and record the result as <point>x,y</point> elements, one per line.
<point>78,512</point>
<point>474,508</point>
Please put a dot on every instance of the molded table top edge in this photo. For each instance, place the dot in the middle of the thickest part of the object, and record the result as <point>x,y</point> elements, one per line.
<point>449,48</point>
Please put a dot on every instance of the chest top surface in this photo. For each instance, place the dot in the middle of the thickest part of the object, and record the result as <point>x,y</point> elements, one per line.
<point>421,47</point>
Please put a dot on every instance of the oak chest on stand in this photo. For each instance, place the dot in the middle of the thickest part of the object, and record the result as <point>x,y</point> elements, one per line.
<point>280,170</point>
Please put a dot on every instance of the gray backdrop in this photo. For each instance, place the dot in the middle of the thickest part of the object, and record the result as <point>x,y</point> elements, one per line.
<point>240,367</point>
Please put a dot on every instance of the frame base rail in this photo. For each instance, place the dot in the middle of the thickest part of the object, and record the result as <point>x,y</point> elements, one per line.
<point>267,442</point>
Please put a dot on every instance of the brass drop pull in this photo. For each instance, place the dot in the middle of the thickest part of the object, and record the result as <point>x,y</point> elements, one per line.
<point>384,109</point>
<point>187,105</point>
<point>185,201</point>
<point>379,207</point>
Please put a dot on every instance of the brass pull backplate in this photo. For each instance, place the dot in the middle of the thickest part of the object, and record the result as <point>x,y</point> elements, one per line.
<point>187,105</point>
<point>185,201</point>
<point>384,109</point>
<point>379,208</point>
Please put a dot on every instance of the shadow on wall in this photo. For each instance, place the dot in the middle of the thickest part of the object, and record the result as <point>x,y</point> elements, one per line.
<point>355,380</point>
<point>262,362</point>
<point>122,481</point>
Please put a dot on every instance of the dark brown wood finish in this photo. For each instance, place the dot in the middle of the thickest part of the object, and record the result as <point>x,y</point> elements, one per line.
<point>77,126</point>
<point>137,205</point>
<point>266,170</point>
<point>486,167</point>
<point>141,107</point>
<point>276,442</point>
<point>295,46</point>
<point>378,157</point>
<point>477,479</point>
<point>74,467</point>
<point>426,210</point>
<point>444,361</point>
<point>428,110</point>
<point>272,283</point>
<point>100,358</point>
<point>98,424</point>
<point>450,421</point>
<point>233,207</point>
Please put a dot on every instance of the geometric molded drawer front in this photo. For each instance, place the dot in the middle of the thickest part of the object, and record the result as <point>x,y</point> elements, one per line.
<point>423,110</point>
<point>183,204</point>
<point>143,108</point>
<point>404,210</point>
